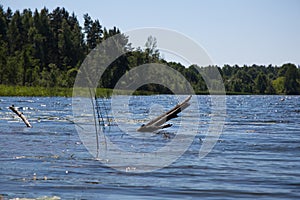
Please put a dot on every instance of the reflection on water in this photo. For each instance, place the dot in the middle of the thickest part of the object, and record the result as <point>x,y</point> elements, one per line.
<point>257,156</point>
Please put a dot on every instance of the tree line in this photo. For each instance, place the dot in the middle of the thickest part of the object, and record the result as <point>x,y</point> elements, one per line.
<point>43,48</point>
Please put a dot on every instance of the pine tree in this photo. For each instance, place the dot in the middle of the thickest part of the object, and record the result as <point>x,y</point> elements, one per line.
<point>14,33</point>
<point>93,31</point>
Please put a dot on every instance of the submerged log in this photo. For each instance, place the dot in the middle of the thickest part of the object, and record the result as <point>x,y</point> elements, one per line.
<point>20,115</point>
<point>158,122</point>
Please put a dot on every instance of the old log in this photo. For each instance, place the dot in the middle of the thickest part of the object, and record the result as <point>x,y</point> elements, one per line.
<point>158,122</point>
<point>20,115</point>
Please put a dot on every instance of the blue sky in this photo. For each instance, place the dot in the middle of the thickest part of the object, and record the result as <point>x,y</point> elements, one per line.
<point>231,31</point>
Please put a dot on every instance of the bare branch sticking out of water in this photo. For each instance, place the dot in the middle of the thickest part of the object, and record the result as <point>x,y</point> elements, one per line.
<point>20,115</point>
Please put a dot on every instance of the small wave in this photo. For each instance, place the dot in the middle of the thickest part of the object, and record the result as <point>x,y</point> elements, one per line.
<point>38,198</point>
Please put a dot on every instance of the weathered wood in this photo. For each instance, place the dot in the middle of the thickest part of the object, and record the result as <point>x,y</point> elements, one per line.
<point>20,115</point>
<point>158,122</point>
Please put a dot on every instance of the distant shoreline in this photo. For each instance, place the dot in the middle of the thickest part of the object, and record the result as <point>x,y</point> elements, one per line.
<point>33,91</point>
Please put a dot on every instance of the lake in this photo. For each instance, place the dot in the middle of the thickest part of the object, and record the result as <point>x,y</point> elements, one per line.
<point>256,156</point>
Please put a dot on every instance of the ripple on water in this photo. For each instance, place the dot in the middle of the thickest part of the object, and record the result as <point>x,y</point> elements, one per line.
<point>257,155</point>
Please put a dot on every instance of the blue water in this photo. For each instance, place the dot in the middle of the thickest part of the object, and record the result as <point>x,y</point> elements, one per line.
<point>256,156</point>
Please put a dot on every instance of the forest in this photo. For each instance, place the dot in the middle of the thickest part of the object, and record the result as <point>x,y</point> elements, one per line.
<point>45,48</point>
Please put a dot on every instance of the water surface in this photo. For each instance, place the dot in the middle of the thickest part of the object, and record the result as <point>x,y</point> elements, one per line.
<point>257,155</point>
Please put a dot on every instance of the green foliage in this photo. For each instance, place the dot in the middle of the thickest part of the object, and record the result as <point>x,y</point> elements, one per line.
<point>41,52</point>
<point>278,85</point>
<point>291,84</point>
<point>34,91</point>
<point>261,83</point>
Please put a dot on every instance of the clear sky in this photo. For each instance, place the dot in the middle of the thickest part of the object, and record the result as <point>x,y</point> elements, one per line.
<point>231,31</point>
